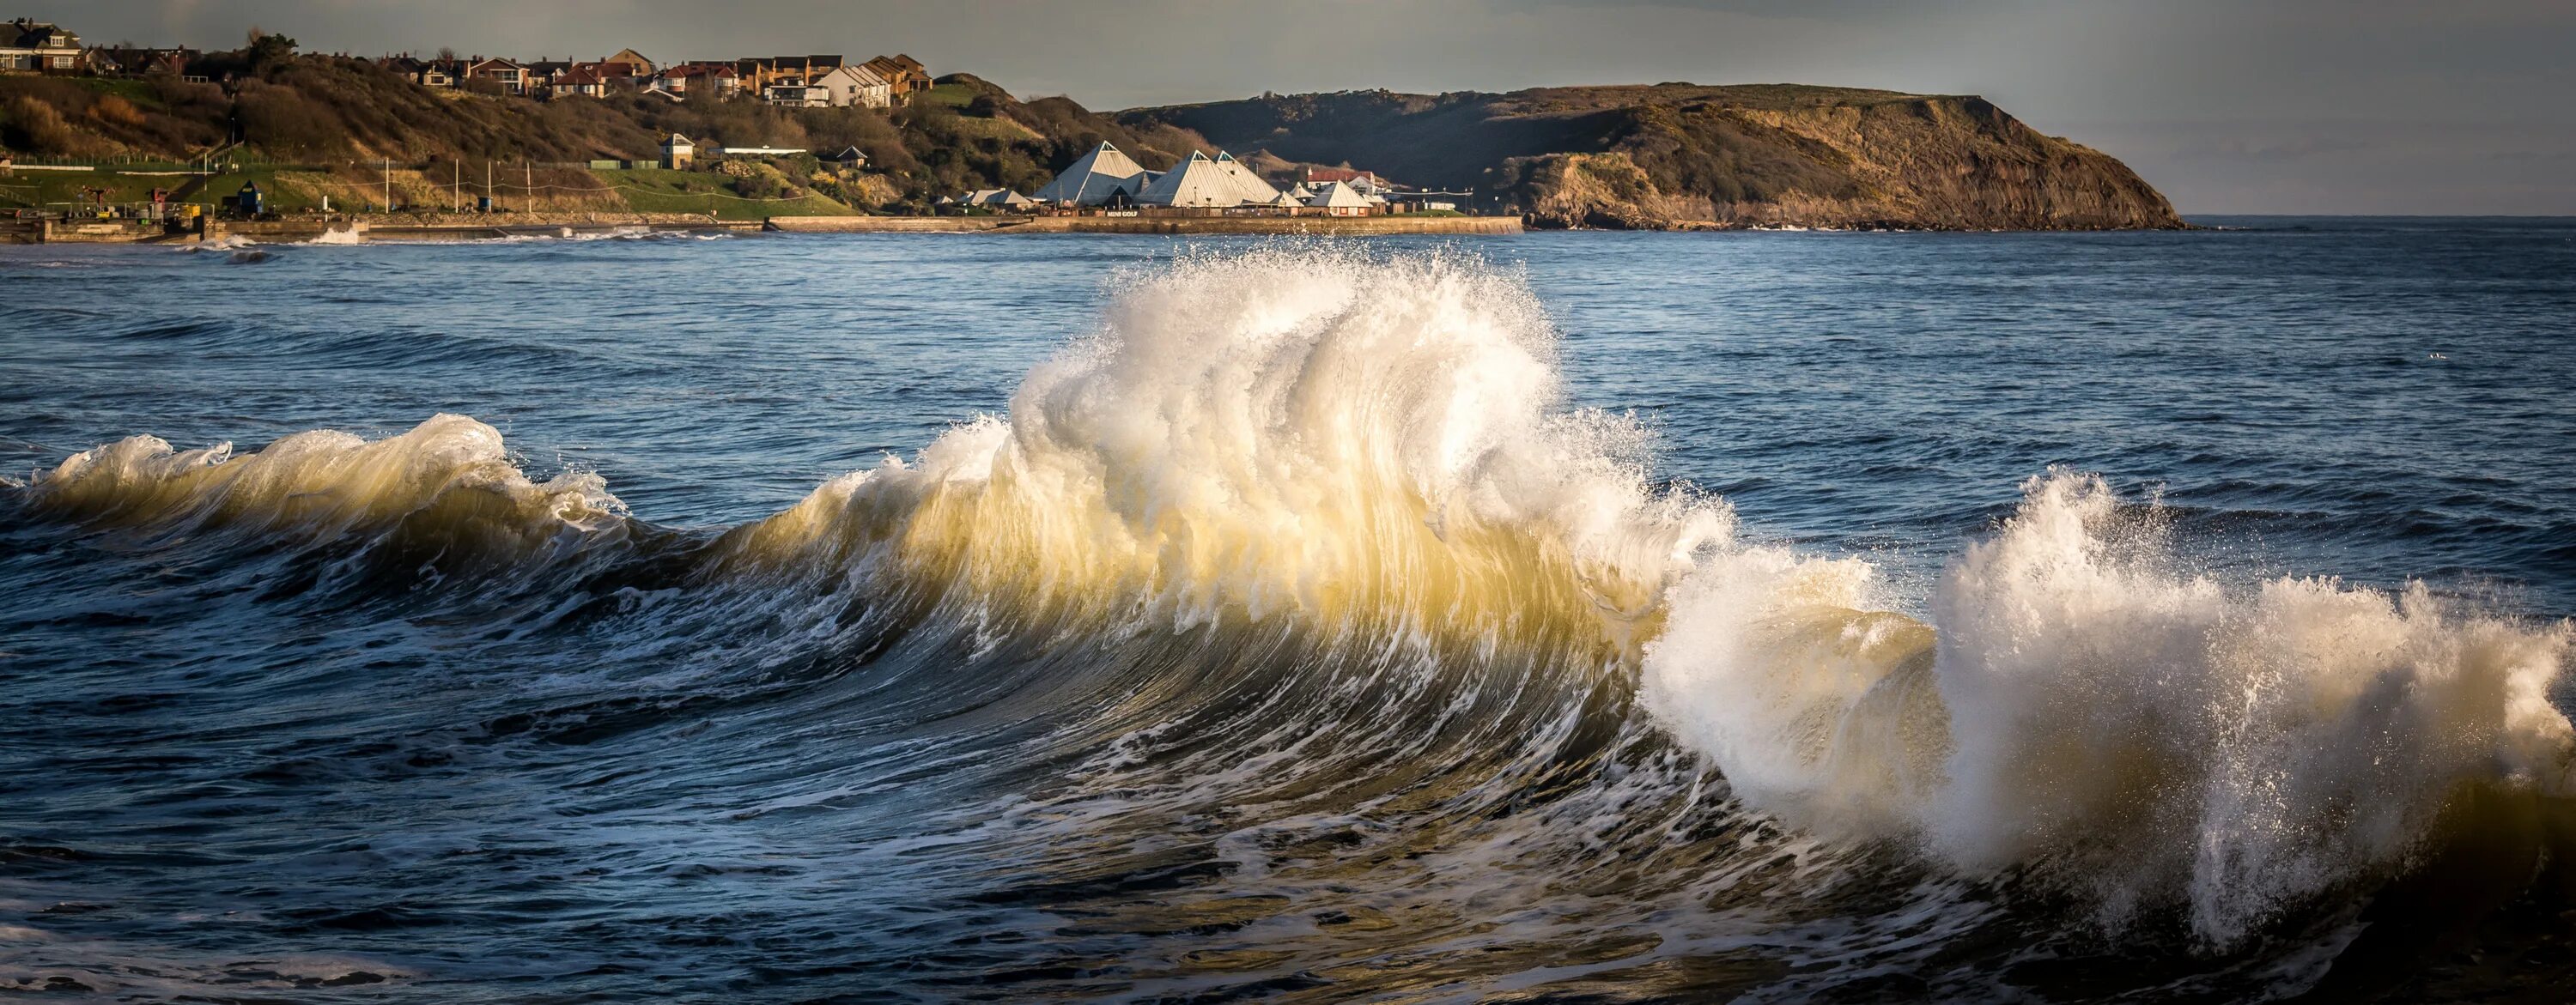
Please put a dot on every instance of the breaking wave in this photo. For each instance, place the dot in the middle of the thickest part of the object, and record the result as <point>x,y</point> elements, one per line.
<point>1311,525</point>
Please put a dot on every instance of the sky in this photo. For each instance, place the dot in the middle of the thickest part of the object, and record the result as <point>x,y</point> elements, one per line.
<point>2227,106</point>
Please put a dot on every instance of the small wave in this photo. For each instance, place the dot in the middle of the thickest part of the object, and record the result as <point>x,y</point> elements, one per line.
<point>446,488</point>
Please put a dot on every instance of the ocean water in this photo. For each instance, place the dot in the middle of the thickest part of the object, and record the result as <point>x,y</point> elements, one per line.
<point>1567,617</point>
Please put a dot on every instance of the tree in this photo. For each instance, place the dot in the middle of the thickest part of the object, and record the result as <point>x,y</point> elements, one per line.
<point>269,49</point>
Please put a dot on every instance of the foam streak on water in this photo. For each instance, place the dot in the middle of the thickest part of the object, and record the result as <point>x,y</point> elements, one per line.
<point>1292,630</point>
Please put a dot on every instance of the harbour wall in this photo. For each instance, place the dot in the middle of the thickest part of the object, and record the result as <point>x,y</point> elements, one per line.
<point>469,227</point>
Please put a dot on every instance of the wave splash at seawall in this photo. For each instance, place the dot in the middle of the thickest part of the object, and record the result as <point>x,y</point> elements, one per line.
<point>1380,449</point>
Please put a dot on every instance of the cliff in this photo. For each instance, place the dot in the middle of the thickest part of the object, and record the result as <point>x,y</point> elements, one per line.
<point>1684,155</point>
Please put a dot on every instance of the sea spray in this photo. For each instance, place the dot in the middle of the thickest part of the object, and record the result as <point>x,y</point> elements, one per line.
<point>1310,431</point>
<point>2097,715</point>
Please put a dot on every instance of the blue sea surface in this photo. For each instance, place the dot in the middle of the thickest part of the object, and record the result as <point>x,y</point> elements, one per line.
<point>251,759</point>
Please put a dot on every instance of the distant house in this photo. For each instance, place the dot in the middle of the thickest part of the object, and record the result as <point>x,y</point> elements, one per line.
<point>627,67</point>
<point>425,72</point>
<point>759,72</point>
<point>794,92</point>
<point>31,46</point>
<point>904,75</point>
<point>844,86</point>
<point>699,80</point>
<point>677,152</point>
<point>539,78</point>
<point>848,159</point>
<point>512,77</point>
<point>1366,183</point>
<point>139,62</point>
<point>837,87</point>
<point>583,80</point>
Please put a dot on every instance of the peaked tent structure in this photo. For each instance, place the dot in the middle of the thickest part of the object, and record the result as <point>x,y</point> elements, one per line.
<point>1196,183</point>
<point>1253,189</point>
<point>1098,177</point>
<point>1002,197</point>
<point>1340,199</point>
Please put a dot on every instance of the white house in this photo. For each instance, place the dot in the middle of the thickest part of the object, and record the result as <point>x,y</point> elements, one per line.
<point>794,92</point>
<point>844,86</point>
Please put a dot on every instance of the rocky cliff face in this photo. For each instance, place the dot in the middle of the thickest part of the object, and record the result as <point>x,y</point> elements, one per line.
<point>1687,156</point>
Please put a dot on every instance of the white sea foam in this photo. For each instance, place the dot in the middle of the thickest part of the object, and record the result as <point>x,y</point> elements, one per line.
<point>2097,712</point>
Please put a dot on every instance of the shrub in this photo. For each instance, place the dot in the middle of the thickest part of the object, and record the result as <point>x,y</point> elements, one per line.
<point>111,108</point>
<point>35,127</point>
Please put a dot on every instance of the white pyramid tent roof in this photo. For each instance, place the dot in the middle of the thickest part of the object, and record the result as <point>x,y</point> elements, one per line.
<point>1197,181</point>
<point>1300,192</point>
<point>1092,180</point>
<point>1253,189</point>
<point>1337,195</point>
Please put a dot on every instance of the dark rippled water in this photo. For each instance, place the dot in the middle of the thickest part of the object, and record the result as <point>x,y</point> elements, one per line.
<point>1276,647</point>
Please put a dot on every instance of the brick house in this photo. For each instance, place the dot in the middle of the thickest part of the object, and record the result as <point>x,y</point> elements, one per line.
<point>904,75</point>
<point>31,46</point>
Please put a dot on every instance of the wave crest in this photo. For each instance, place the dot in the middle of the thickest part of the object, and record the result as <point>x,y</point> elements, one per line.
<point>1355,438</point>
<point>447,486</point>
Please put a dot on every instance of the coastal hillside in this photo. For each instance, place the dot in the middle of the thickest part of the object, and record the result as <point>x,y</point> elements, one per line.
<point>309,126</point>
<point>329,115</point>
<point>1685,155</point>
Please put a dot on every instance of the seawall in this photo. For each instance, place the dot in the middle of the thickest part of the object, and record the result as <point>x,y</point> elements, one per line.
<point>1312,225</point>
<point>468,227</point>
